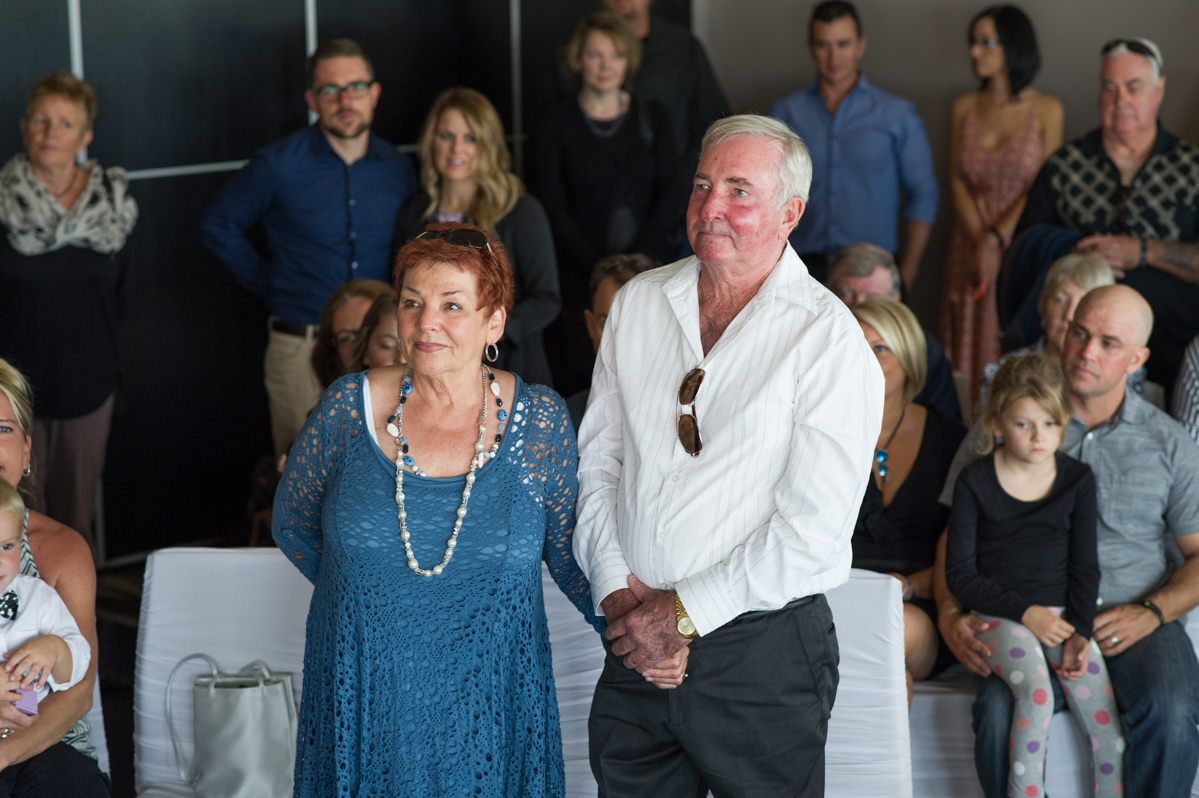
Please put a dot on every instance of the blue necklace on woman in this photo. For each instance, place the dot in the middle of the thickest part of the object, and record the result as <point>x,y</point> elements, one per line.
<point>880,454</point>
<point>395,428</point>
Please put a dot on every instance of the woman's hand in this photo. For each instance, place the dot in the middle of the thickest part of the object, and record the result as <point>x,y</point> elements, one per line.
<point>907,588</point>
<point>1049,628</point>
<point>988,256</point>
<point>1074,658</point>
<point>669,673</point>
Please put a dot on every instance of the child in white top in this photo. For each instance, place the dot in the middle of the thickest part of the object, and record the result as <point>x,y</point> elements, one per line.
<point>39,640</point>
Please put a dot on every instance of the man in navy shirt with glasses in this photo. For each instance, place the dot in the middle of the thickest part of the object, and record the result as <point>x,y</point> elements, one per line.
<point>326,198</point>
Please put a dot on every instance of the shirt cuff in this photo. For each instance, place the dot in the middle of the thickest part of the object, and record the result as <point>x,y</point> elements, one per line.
<point>608,578</point>
<point>706,603</point>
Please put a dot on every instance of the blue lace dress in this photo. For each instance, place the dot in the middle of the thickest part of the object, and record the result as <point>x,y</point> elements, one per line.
<point>438,686</point>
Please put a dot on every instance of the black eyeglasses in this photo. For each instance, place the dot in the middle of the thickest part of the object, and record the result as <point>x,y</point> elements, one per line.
<point>688,422</point>
<point>355,90</point>
<point>461,236</point>
<point>989,44</point>
<point>1121,224</point>
<point>1139,47</point>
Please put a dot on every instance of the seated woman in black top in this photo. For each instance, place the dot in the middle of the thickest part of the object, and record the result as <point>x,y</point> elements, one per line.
<point>900,518</point>
<point>606,168</point>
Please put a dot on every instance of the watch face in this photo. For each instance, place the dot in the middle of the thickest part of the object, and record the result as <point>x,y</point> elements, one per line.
<point>686,627</point>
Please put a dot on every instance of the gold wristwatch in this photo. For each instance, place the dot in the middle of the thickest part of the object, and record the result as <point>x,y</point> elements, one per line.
<point>683,621</point>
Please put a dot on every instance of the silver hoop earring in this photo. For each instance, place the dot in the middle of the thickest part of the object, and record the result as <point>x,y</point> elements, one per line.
<point>28,470</point>
<point>491,352</point>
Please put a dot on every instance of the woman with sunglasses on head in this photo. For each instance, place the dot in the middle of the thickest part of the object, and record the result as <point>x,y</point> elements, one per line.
<point>420,499</point>
<point>1000,135</point>
<point>900,519</point>
<point>465,178</point>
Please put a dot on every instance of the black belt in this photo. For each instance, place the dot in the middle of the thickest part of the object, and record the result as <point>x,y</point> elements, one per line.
<point>286,327</point>
<point>792,604</point>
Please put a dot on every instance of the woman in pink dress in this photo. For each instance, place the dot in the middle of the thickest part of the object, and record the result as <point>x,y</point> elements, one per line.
<point>1001,134</point>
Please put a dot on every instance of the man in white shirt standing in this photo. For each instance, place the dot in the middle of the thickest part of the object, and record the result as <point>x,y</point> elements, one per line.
<point>724,454</point>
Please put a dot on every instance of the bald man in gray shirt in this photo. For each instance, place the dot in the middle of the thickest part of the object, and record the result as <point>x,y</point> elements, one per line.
<point>1147,471</point>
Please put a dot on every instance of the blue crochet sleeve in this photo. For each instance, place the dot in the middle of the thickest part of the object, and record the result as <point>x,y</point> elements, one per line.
<point>296,520</point>
<point>555,459</point>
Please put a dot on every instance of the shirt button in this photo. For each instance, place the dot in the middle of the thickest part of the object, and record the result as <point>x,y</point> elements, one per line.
<point>1090,435</point>
<point>351,203</point>
<point>353,235</point>
<point>674,478</point>
<point>354,264</point>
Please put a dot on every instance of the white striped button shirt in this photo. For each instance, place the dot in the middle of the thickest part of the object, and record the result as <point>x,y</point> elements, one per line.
<point>789,412</point>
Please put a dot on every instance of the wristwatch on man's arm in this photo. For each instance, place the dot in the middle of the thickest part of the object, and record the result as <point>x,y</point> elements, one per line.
<point>683,622</point>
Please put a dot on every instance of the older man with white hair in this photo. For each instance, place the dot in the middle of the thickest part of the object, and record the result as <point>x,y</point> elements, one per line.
<point>724,454</point>
<point>1131,187</point>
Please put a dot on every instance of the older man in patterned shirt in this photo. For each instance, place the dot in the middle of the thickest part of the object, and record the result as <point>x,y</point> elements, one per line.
<point>1132,189</point>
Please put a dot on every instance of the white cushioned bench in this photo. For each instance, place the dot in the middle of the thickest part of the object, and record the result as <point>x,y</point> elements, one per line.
<point>238,605</point>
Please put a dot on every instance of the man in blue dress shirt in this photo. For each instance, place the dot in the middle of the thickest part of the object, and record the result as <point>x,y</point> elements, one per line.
<point>871,149</point>
<point>326,198</point>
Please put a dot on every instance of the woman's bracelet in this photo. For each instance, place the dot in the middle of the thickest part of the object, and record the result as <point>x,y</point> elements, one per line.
<point>1149,605</point>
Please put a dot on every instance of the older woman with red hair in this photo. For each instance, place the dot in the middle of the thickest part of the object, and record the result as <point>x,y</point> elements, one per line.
<point>420,499</point>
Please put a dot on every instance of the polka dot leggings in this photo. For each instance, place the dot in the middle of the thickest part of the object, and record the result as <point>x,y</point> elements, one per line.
<point>1020,660</point>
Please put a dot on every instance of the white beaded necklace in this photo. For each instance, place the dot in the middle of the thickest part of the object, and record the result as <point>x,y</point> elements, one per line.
<point>395,427</point>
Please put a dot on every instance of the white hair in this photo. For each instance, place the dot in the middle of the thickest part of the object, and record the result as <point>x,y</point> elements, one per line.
<point>795,172</point>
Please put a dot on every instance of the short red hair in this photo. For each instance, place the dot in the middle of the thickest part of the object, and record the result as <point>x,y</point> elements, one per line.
<point>491,270</point>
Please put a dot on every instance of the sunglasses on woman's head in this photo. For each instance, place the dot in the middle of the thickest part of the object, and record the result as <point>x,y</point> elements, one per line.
<point>460,236</point>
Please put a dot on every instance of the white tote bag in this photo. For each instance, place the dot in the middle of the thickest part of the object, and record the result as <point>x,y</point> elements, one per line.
<point>244,731</point>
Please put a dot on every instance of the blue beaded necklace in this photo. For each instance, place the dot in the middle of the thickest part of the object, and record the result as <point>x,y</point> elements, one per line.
<point>395,429</point>
<point>880,454</point>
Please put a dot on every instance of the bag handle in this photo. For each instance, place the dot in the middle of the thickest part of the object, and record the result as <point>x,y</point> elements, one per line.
<point>259,666</point>
<point>183,772</point>
<point>265,674</point>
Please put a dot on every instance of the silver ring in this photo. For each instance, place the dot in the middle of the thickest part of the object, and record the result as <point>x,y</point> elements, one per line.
<point>4,734</point>
<point>1114,640</point>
